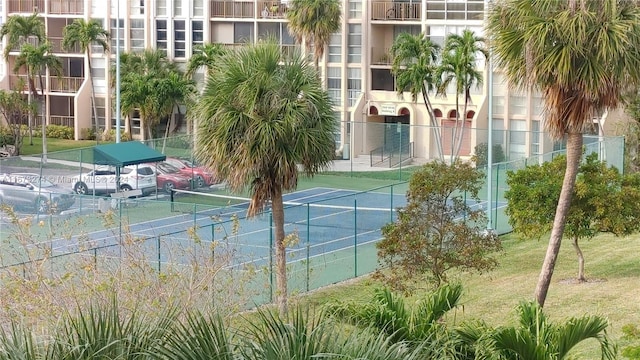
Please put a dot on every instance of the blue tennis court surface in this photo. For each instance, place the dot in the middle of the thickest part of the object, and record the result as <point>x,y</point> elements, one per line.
<point>323,220</point>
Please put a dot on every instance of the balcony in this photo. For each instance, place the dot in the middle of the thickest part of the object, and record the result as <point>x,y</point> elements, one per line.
<point>63,120</point>
<point>381,56</point>
<point>272,9</point>
<point>66,84</point>
<point>396,11</point>
<point>25,6</point>
<point>66,7</point>
<point>56,46</point>
<point>232,9</point>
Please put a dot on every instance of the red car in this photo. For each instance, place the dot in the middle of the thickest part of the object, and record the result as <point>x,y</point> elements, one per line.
<point>169,177</point>
<point>201,177</point>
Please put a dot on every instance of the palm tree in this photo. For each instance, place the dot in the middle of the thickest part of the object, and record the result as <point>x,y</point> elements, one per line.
<point>414,66</point>
<point>583,56</point>
<point>535,337</point>
<point>142,75</point>
<point>173,90</point>
<point>458,67</point>
<point>261,118</point>
<point>387,313</point>
<point>313,21</point>
<point>38,60</point>
<point>19,29</point>
<point>204,56</point>
<point>85,33</point>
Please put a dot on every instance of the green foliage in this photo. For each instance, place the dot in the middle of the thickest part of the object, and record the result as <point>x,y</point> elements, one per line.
<point>110,136</point>
<point>631,333</point>
<point>438,230</point>
<point>88,134</point>
<point>481,154</point>
<point>603,200</point>
<point>387,313</point>
<point>535,337</point>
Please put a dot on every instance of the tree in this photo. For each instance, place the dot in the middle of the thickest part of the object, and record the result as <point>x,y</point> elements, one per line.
<point>582,55</point>
<point>38,60</point>
<point>83,34</point>
<point>173,90</point>
<point>19,30</point>
<point>535,337</point>
<point>438,230</point>
<point>144,87</point>
<point>314,21</point>
<point>458,67</point>
<point>204,56</point>
<point>16,111</point>
<point>603,201</point>
<point>414,66</point>
<point>263,117</point>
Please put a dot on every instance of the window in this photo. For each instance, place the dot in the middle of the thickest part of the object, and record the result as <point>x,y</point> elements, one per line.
<point>355,43</point>
<point>177,7</point>
<point>161,35</point>
<point>269,30</point>
<point>242,33</point>
<point>455,9</point>
<point>355,9</point>
<point>337,136</point>
<point>517,104</point>
<point>382,79</point>
<point>117,28</point>
<point>517,139</point>
<point>335,48</point>
<point>100,110</point>
<point>198,8</point>
<point>411,29</point>
<point>535,137</point>
<point>498,132</point>
<point>179,38</point>
<point>161,7</point>
<point>197,33</point>
<point>137,7</point>
<point>537,105</point>
<point>136,33</point>
<point>354,84</point>
<point>334,85</point>
<point>95,48</point>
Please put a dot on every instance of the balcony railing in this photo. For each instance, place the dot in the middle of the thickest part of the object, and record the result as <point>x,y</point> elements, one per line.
<point>66,7</point>
<point>25,6</point>
<point>65,84</point>
<point>64,120</point>
<point>232,9</point>
<point>393,11</point>
<point>381,56</point>
<point>56,46</point>
<point>272,9</point>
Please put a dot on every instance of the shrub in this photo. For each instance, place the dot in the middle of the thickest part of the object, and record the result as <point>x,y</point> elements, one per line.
<point>88,134</point>
<point>60,132</point>
<point>482,153</point>
<point>111,136</point>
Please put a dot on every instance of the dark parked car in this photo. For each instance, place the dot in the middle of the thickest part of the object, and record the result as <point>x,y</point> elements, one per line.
<point>32,192</point>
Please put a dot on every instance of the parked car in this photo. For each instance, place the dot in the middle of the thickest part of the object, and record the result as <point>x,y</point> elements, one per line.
<point>103,180</point>
<point>200,176</point>
<point>169,177</point>
<point>33,192</point>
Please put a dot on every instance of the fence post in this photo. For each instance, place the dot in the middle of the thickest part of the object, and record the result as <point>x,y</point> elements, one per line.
<point>495,217</point>
<point>270,256</point>
<point>308,245</point>
<point>159,256</point>
<point>355,237</point>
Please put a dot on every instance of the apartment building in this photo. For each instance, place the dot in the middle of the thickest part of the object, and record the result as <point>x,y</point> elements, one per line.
<point>356,68</point>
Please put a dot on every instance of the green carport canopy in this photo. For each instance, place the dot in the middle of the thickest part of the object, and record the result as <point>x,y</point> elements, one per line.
<point>122,154</point>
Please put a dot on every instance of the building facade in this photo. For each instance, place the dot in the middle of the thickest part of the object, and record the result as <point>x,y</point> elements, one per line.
<point>356,68</point>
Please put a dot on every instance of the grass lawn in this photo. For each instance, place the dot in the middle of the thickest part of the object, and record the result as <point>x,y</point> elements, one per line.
<point>53,145</point>
<point>612,289</point>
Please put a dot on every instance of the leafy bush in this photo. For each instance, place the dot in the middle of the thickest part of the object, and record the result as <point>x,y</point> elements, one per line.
<point>111,136</point>
<point>53,131</point>
<point>482,154</point>
<point>88,134</point>
<point>6,137</point>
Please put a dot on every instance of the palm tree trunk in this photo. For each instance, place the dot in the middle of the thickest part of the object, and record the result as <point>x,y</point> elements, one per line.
<point>277,209</point>
<point>576,247</point>
<point>30,100</point>
<point>434,125</point>
<point>574,153</point>
<point>93,98</point>
<point>454,134</point>
<point>464,122</point>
